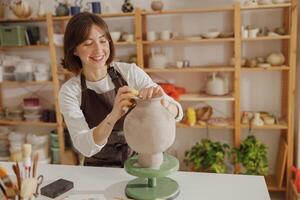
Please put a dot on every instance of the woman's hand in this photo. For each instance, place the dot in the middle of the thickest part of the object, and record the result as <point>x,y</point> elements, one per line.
<point>152,92</point>
<point>122,103</point>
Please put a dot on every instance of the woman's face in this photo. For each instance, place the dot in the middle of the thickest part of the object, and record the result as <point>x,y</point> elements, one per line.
<point>94,51</point>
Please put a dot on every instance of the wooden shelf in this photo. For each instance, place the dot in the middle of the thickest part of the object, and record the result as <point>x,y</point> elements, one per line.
<point>281,125</point>
<point>182,125</point>
<point>186,41</point>
<point>191,69</point>
<point>25,47</point>
<point>273,68</point>
<point>280,37</point>
<point>27,123</point>
<point>124,43</point>
<point>271,6</point>
<point>33,19</point>
<point>187,11</point>
<point>105,15</point>
<point>272,184</point>
<point>205,97</point>
<point>25,83</point>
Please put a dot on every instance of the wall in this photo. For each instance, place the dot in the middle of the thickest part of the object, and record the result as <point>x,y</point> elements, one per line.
<point>259,90</point>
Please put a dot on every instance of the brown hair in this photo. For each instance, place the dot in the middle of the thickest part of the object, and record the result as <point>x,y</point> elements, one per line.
<point>77,31</point>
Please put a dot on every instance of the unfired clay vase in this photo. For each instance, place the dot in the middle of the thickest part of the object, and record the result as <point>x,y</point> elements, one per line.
<point>149,129</point>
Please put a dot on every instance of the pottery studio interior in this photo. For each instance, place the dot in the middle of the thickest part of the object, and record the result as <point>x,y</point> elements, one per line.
<point>149,99</point>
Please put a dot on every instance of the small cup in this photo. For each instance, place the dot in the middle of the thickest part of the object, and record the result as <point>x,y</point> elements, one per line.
<point>151,36</point>
<point>115,36</point>
<point>75,10</point>
<point>179,63</point>
<point>166,35</point>
<point>129,38</point>
<point>245,33</point>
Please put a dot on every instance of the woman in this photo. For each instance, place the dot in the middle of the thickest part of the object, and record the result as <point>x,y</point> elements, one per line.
<point>95,101</point>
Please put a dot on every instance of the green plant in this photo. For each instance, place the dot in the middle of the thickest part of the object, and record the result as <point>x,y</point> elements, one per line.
<point>252,154</point>
<point>207,156</point>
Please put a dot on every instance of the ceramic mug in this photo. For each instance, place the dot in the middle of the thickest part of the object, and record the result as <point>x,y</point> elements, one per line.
<point>129,37</point>
<point>179,63</point>
<point>75,10</point>
<point>96,7</point>
<point>115,36</point>
<point>166,35</point>
<point>151,36</point>
<point>253,33</point>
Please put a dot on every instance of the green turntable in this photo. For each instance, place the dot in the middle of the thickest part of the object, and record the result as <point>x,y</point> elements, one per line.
<point>152,184</point>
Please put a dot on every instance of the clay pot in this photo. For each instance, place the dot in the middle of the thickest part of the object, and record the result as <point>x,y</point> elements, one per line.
<point>157,5</point>
<point>21,9</point>
<point>276,59</point>
<point>149,129</point>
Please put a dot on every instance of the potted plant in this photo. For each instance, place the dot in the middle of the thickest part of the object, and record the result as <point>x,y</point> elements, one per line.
<point>252,155</point>
<point>207,156</point>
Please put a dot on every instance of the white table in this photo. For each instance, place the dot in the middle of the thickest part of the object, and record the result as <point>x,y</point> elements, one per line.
<point>97,183</point>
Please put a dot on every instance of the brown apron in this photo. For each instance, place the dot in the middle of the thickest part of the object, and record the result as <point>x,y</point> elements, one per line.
<point>95,108</point>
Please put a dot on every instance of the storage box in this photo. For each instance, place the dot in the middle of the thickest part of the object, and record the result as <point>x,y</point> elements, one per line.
<point>12,35</point>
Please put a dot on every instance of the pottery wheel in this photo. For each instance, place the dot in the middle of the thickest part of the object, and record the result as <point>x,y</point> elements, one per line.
<point>152,183</point>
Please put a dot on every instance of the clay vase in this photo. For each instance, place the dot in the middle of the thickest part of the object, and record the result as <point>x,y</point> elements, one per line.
<point>157,5</point>
<point>127,7</point>
<point>62,10</point>
<point>149,130</point>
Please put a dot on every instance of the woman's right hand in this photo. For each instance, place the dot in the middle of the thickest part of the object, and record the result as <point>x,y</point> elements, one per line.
<point>122,102</point>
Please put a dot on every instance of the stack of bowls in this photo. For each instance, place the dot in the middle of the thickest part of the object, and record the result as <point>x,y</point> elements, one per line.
<point>16,141</point>
<point>4,143</point>
<point>40,145</point>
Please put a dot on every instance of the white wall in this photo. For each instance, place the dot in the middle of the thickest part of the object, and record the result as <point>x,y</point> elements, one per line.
<point>260,90</point>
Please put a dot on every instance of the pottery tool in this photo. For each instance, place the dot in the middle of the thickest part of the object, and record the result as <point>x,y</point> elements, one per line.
<point>18,174</point>
<point>27,159</point>
<point>35,160</point>
<point>7,183</point>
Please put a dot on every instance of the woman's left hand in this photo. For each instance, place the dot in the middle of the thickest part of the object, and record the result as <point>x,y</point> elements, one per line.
<point>153,92</point>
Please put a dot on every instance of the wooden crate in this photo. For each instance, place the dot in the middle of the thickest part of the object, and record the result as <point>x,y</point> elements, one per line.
<point>293,194</point>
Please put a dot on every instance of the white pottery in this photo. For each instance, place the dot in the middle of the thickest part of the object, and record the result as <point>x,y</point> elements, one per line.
<point>215,85</point>
<point>257,121</point>
<point>276,59</point>
<point>150,130</point>
<point>157,60</point>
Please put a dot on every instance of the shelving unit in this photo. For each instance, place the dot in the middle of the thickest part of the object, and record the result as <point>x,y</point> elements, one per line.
<point>285,125</point>
<point>16,84</point>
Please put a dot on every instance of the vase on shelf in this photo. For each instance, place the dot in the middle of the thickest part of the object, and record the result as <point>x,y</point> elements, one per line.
<point>127,6</point>
<point>157,5</point>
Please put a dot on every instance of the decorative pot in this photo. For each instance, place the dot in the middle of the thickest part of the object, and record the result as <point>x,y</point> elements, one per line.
<point>157,5</point>
<point>276,59</point>
<point>21,9</point>
<point>62,10</point>
<point>149,129</point>
<point>216,85</point>
<point>41,10</point>
<point>127,7</point>
<point>158,60</point>
<point>257,121</point>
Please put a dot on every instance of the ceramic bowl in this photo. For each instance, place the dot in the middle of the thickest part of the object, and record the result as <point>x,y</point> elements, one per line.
<point>226,35</point>
<point>278,1</point>
<point>264,65</point>
<point>211,34</point>
<point>115,36</point>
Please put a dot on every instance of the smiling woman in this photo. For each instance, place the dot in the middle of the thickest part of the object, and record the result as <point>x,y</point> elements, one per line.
<point>95,102</point>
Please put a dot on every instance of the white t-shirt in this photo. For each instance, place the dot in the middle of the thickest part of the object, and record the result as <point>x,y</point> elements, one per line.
<point>70,101</point>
